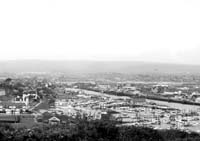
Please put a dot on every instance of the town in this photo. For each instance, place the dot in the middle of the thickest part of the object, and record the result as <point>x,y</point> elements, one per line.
<point>41,98</point>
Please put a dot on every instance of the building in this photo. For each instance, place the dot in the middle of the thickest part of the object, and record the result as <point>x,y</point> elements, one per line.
<point>2,92</point>
<point>197,100</point>
<point>54,120</point>
<point>159,89</point>
<point>12,108</point>
<point>9,119</point>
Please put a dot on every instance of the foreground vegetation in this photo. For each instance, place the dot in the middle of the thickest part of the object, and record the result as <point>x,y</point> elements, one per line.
<point>99,130</point>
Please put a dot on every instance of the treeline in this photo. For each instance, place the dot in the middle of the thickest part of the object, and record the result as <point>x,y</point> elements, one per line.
<point>19,87</point>
<point>99,130</point>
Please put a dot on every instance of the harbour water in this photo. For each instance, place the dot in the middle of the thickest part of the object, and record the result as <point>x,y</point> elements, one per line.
<point>183,107</point>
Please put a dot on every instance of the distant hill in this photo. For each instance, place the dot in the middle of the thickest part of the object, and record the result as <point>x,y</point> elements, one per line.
<point>94,67</point>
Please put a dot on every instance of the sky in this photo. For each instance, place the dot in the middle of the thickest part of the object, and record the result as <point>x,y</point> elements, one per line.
<point>125,30</point>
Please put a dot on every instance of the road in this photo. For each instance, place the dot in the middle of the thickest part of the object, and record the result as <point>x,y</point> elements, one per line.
<point>32,108</point>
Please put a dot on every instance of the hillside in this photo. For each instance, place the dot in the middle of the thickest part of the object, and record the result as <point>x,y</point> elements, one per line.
<point>94,67</point>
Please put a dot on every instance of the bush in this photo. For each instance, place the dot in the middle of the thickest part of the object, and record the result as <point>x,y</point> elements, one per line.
<point>99,130</point>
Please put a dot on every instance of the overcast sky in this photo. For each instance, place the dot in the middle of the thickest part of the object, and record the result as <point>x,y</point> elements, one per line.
<point>138,30</point>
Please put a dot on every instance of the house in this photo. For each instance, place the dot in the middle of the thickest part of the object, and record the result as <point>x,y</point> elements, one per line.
<point>27,97</point>
<point>54,120</point>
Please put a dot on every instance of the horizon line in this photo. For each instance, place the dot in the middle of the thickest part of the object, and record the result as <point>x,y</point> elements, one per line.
<point>93,60</point>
